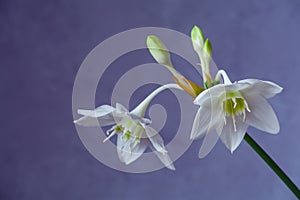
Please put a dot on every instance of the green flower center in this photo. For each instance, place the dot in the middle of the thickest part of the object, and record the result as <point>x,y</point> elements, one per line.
<point>234,105</point>
<point>133,130</point>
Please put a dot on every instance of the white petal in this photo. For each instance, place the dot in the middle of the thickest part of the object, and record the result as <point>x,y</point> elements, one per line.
<point>121,108</point>
<point>87,121</point>
<point>146,121</point>
<point>126,153</point>
<point>98,112</point>
<point>155,139</point>
<point>217,91</point>
<point>209,142</point>
<point>213,92</point>
<point>101,116</point>
<point>265,88</point>
<point>203,96</point>
<point>140,119</point>
<point>214,128</point>
<point>201,122</point>
<point>262,115</point>
<point>121,117</point>
<point>107,120</point>
<point>164,157</point>
<point>230,137</point>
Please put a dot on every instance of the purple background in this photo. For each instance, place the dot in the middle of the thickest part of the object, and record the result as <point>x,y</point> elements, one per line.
<point>42,44</point>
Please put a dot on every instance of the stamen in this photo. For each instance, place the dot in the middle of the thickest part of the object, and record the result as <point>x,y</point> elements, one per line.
<point>235,103</point>
<point>109,130</point>
<point>225,121</point>
<point>234,122</point>
<point>112,134</point>
<point>130,147</point>
<point>244,115</point>
<point>247,106</point>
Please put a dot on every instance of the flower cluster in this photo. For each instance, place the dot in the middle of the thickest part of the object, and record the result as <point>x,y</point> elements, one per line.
<point>226,108</point>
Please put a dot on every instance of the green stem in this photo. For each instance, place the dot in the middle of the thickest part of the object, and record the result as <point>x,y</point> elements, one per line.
<point>280,173</point>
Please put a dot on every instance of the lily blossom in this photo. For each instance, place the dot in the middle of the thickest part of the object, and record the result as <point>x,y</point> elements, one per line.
<point>133,131</point>
<point>227,109</point>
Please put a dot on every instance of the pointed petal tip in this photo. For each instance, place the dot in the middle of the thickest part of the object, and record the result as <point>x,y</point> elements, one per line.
<point>162,150</point>
<point>195,136</point>
<point>127,162</point>
<point>233,148</point>
<point>171,167</point>
<point>202,155</point>
<point>274,131</point>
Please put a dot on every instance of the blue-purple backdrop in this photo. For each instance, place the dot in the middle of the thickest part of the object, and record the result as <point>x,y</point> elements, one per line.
<point>42,44</point>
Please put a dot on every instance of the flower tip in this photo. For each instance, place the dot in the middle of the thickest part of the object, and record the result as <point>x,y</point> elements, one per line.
<point>275,131</point>
<point>155,43</point>
<point>233,148</point>
<point>150,38</point>
<point>171,167</point>
<point>158,50</point>
<point>208,47</point>
<point>162,150</point>
<point>193,136</point>
<point>201,155</point>
<point>197,38</point>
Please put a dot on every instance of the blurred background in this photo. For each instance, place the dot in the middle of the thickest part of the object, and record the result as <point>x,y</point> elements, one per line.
<point>42,45</point>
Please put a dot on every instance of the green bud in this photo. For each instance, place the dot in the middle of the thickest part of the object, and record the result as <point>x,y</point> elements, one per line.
<point>159,51</point>
<point>197,38</point>
<point>207,48</point>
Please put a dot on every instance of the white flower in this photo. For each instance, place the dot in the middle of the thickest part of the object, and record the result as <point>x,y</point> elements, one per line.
<point>228,109</point>
<point>134,134</point>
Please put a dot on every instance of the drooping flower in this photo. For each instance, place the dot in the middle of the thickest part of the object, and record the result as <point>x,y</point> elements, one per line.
<point>133,131</point>
<point>228,109</point>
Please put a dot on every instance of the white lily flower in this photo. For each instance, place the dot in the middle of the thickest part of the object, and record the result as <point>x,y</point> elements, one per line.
<point>134,134</point>
<point>228,109</point>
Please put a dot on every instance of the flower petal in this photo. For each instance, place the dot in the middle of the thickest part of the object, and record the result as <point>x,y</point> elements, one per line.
<point>213,128</point>
<point>201,122</point>
<point>262,115</point>
<point>87,121</point>
<point>155,139</point>
<point>230,137</point>
<point>144,121</point>
<point>266,89</point>
<point>209,142</point>
<point>128,151</point>
<point>217,91</point>
<point>98,112</point>
<point>164,158</point>
<point>120,108</point>
<point>99,116</point>
<point>204,96</point>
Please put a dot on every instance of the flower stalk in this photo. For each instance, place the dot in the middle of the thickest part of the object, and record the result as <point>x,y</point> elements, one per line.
<point>142,107</point>
<point>272,164</point>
